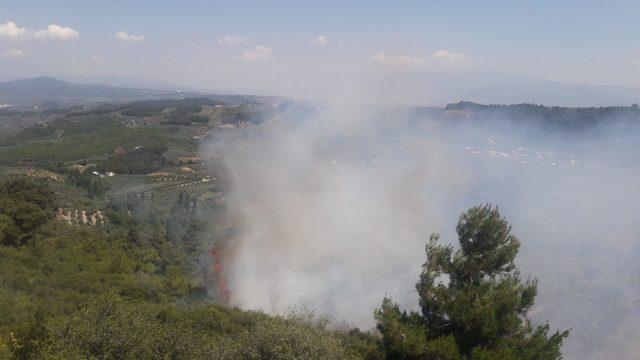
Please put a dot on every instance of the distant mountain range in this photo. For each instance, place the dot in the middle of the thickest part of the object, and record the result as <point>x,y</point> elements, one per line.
<point>53,92</point>
<point>409,88</point>
<point>43,90</point>
<point>499,88</point>
<point>440,88</point>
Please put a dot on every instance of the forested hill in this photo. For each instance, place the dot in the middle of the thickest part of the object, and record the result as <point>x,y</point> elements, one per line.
<point>571,118</point>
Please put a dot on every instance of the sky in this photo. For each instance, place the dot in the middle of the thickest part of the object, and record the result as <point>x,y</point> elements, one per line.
<point>290,47</point>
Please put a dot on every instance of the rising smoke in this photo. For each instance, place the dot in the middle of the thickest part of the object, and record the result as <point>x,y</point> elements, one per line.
<point>333,208</point>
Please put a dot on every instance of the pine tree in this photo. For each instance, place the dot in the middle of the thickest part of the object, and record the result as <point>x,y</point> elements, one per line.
<point>473,302</point>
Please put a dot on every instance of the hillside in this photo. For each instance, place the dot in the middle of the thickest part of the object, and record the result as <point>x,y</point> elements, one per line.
<point>112,219</point>
<point>108,209</point>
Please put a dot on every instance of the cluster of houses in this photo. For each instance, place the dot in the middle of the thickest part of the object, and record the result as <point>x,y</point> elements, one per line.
<point>80,217</point>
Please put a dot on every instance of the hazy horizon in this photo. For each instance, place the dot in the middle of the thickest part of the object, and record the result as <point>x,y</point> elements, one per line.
<point>307,51</point>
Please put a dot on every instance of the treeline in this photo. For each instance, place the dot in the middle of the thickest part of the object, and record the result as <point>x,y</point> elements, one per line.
<point>569,118</point>
<point>244,114</point>
<point>94,184</point>
<point>175,112</point>
<point>67,127</point>
<point>24,206</point>
<point>156,107</point>
<point>9,112</point>
<point>142,160</point>
<point>185,115</point>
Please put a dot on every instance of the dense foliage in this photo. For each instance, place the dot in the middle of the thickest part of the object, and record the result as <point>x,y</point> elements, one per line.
<point>24,206</point>
<point>127,291</point>
<point>551,117</point>
<point>94,185</point>
<point>142,160</point>
<point>473,303</point>
<point>185,120</point>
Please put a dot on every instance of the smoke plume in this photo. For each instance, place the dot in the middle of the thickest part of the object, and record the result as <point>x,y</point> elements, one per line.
<point>333,208</point>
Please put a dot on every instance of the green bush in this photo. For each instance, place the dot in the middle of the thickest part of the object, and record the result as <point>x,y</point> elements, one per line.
<point>473,303</point>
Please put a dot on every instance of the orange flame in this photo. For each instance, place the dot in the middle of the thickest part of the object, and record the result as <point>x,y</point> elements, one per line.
<point>218,270</point>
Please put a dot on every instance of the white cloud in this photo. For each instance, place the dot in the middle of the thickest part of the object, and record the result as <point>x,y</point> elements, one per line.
<point>11,31</point>
<point>195,45</point>
<point>56,32</point>
<point>257,53</point>
<point>13,54</point>
<point>448,55</point>
<point>126,37</point>
<point>636,62</point>
<point>233,39</point>
<point>322,40</point>
<point>398,60</point>
<point>438,58</point>
<point>95,58</point>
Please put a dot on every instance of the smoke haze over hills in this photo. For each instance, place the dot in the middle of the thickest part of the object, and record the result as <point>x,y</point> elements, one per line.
<point>334,209</point>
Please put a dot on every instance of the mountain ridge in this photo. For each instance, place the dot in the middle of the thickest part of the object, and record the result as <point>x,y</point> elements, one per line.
<point>46,90</point>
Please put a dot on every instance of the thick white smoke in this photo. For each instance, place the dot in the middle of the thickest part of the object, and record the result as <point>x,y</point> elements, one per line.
<point>333,214</point>
<point>333,211</point>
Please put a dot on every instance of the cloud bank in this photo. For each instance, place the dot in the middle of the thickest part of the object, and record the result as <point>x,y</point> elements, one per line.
<point>448,55</point>
<point>257,53</point>
<point>233,39</point>
<point>126,37</point>
<point>321,40</point>
<point>440,57</point>
<point>398,60</point>
<point>11,31</point>
<point>56,32</point>
<point>13,54</point>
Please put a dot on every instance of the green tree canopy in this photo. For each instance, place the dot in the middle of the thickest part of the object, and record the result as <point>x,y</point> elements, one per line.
<point>473,302</point>
<point>25,205</point>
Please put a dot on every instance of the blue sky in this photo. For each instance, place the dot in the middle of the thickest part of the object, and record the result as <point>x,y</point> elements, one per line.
<point>274,45</point>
